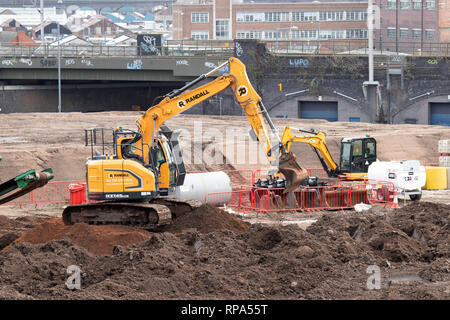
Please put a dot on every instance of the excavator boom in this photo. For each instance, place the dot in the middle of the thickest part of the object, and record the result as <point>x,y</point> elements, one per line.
<point>263,128</point>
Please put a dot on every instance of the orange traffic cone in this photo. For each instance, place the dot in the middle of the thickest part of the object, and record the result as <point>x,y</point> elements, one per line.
<point>395,205</point>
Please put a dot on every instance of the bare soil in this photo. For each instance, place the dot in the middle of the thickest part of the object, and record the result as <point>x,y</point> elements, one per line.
<point>213,254</point>
<point>328,260</point>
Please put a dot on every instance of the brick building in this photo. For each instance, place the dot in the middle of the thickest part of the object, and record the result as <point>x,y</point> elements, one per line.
<point>210,20</point>
<point>444,20</point>
<point>407,25</point>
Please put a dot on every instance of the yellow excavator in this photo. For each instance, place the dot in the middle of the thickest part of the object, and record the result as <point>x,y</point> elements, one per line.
<point>356,153</point>
<point>132,183</point>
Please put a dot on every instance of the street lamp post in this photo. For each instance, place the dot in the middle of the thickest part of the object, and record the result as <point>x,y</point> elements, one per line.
<point>59,72</point>
<point>59,63</point>
<point>318,35</point>
<point>421,27</point>
<point>41,12</point>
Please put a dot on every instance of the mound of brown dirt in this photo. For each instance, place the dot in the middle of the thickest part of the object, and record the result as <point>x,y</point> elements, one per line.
<point>207,219</point>
<point>329,260</point>
<point>11,229</point>
<point>6,239</point>
<point>99,240</point>
<point>427,223</point>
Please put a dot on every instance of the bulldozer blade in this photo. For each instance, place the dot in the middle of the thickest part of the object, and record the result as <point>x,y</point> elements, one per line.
<point>294,173</point>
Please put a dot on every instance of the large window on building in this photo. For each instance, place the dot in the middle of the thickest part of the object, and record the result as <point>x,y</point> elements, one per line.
<point>276,34</point>
<point>431,4</point>
<point>270,35</point>
<point>304,34</point>
<point>200,35</point>
<point>332,34</point>
<point>331,15</point>
<point>391,32</point>
<point>356,34</point>
<point>222,29</point>
<point>404,33</point>
<point>249,34</point>
<point>304,16</point>
<point>429,34</point>
<point>392,4</point>
<point>405,4</point>
<point>356,15</point>
<point>417,34</point>
<point>417,4</point>
<point>199,17</point>
<point>249,17</point>
<point>276,16</point>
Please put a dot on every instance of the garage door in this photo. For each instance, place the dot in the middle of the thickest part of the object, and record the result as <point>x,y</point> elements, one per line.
<point>318,110</point>
<point>440,114</point>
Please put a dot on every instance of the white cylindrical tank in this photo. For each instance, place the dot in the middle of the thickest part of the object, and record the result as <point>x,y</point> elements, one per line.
<point>197,185</point>
<point>405,175</point>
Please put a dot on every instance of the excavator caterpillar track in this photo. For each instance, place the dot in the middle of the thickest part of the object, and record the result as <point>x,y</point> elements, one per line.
<point>32,179</point>
<point>148,215</point>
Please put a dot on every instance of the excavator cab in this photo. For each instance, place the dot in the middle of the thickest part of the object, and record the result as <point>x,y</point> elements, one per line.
<point>357,154</point>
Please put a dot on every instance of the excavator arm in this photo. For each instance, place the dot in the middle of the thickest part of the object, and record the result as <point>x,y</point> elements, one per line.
<point>319,145</point>
<point>185,98</point>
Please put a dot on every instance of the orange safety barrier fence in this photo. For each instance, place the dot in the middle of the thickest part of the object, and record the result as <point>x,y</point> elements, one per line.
<point>245,198</point>
<point>239,201</point>
<point>53,192</point>
<point>264,200</point>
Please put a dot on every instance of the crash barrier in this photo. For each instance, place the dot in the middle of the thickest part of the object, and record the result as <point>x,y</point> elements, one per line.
<point>266,200</point>
<point>54,192</point>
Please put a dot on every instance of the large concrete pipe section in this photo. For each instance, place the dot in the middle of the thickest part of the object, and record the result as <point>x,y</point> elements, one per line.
<point>197,185</point>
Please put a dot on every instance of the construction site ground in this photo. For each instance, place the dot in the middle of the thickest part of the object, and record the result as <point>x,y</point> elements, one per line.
<point>211,253</point>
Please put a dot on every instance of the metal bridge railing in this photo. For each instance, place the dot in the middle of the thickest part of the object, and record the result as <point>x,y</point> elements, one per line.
<point>170,48</point>
<point>225,49</point>
<point>357,47</point>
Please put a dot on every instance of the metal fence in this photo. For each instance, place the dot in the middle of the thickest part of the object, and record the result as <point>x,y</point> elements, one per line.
<point>53,193</point>
<point>358,47</point>
<point>263,200</point>
<point>224,49</point>
<point>174,48</point>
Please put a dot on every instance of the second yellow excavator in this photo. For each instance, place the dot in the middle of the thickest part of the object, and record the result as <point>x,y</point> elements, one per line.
<point>357,153</point>
<point>146,164</point>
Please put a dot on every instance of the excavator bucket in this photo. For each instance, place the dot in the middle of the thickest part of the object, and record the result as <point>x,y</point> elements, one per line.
<point>294,173</point>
